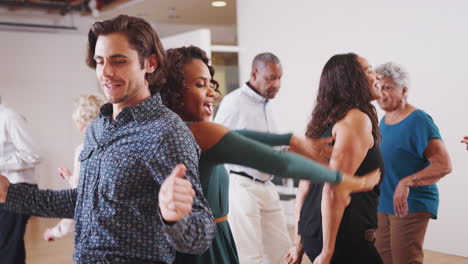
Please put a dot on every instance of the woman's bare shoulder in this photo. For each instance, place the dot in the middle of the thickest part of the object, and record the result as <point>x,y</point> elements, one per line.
<point>207,134</point>
<point>355,122</point>
<point>356,118</point>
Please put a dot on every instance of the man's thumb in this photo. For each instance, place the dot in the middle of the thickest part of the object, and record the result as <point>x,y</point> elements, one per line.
<point>179,171</point>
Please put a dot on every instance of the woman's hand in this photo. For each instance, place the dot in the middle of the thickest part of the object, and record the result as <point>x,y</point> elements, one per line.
<point>317,149</point>
<point>48,235</point>
<point>400,198</point>
<point>4,186</point>
<point>64,173</point>
<point>294,255</point>
<point>465,141</point>
<point>323,258</point>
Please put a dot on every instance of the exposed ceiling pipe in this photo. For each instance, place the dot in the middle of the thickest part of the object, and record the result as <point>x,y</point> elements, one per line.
<point>64,10</point>
<point>64,7</point>
<point>26,25</point>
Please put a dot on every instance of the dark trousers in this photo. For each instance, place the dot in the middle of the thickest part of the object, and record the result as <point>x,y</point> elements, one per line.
<point>12,228</point>
<point>349,252</point>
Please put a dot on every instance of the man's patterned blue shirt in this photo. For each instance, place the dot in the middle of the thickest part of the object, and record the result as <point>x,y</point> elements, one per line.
<point>123,164</point>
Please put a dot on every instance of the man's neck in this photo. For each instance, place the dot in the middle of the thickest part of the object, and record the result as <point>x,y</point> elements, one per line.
<point>117,108</point>
<point>253,88</point>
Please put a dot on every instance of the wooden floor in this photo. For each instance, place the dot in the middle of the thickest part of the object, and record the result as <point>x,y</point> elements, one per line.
<point>430,257</point>
<point>39,251</point>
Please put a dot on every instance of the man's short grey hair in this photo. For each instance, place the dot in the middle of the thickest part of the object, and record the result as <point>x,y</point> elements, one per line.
<point>87,107</point>
<point>264,58</point>
<point>395,72</point>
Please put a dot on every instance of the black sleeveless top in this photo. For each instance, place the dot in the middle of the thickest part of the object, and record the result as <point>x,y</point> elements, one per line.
<point>359,216</point>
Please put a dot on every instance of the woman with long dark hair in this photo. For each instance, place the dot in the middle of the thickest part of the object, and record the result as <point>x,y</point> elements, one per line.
<point>190,92</point>
<point>330,227</point>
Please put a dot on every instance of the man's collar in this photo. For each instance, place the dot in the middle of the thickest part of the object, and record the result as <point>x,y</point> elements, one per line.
<point>246,88</point>
<point>141,112</point>
<point>106,110</point>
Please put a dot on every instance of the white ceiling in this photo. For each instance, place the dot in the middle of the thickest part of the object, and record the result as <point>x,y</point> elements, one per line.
<point>198,12</point>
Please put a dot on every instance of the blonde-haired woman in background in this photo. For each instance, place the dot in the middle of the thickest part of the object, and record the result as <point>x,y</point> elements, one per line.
<point>86,110</point>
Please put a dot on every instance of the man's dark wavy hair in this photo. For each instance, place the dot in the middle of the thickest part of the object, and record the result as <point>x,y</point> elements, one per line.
<point>141,36</point>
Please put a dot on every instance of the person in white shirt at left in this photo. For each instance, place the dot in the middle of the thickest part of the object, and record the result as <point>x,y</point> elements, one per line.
<point>18,158</point>
<point>86,110</point>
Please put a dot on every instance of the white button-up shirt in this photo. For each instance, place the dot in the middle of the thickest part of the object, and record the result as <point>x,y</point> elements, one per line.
<point>18,154</point>
<point>246,109</point>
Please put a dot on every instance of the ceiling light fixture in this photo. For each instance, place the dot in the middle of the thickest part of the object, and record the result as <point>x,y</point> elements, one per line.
<point>218,3</point>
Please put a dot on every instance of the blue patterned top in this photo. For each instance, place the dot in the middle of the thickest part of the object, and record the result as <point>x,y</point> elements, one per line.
<point>123,164</point>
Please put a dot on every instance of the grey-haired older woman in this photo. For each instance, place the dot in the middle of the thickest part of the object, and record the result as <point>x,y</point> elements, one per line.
<point>415,159</point>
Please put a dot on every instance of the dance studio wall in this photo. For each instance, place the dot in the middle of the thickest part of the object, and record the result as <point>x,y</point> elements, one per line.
<point>428,37</point>
<point>41,74</point>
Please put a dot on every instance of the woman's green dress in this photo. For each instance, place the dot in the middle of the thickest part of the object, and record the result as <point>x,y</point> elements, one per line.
<point>252,149</point>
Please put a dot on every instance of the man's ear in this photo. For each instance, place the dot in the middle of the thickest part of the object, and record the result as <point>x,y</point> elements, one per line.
<point>151,63</point>
<point>253,74</point>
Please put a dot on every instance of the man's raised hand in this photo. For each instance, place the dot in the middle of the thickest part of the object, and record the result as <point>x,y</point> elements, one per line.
<point>176,195</point>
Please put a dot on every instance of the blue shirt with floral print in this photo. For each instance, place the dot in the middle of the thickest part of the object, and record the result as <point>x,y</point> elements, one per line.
<point>123,164</point>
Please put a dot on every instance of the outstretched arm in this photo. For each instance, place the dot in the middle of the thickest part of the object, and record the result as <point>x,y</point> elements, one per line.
<point>315,149</point>
<point>266,138</point>
<point>28,199</point>
<point>224,146</point>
